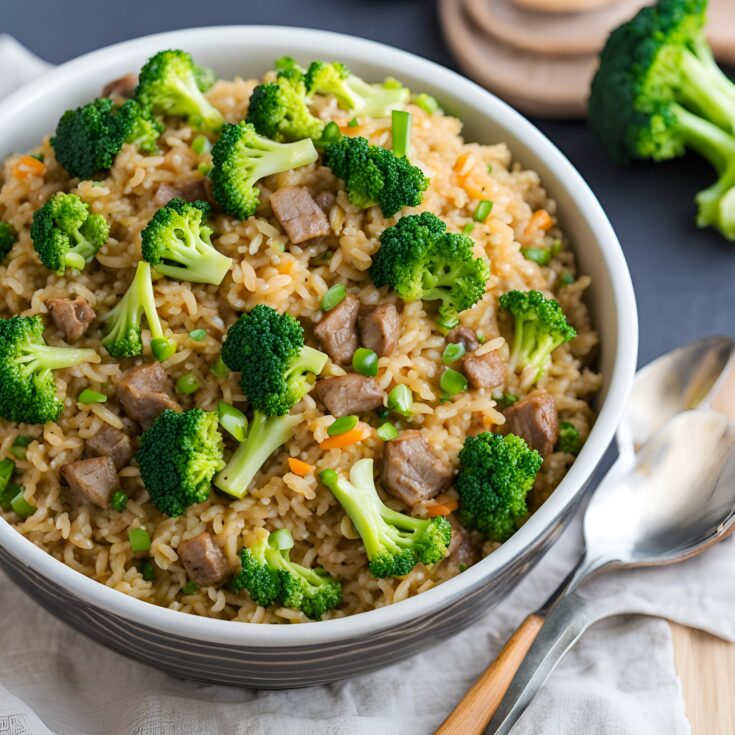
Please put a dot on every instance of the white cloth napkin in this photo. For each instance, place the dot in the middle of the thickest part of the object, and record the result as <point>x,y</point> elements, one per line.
<point>619,680</point>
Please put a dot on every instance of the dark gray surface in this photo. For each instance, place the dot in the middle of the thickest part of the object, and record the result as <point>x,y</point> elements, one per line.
<point>684,277</point>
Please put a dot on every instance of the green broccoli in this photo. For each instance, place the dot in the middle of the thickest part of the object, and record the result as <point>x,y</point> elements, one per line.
<point>8,238</point>
<point>280,110</point>
<point>540,327</point>
<point>394,542</point>
<point>269,575</point>
<point>569,438</point>
<point>27,387</point>
<point>375,175</point>
<point>205,77</point>
<point>64,233</point>
<point>419,259</point>
<point>176,242</point>
<point>495,474</point>
<point>123,333</point>
<point>241,157</point>
<point>168,84</point>
<point>658,92</point>
<point>352,93</point>
<point>138,127</point>
<point>276,369</point>
<point>178,457</point>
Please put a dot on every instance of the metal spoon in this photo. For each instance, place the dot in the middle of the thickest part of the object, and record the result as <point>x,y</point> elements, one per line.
<point>697,374</point>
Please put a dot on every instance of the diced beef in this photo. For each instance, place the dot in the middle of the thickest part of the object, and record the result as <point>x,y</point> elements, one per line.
<point>462,551</point>
<point>535,419</point>
<point>145,392</point>
<point>123,87</point>
<point>113,443</point>
<point>203,559</point>
<point>484,371</point>
<point>325,200</point>
<point>380,327</point>
<point>299,214</point>
<point>411,471</point>
<point>71,316</point>
<point>349,394</point>
<point>337,331</point>
<point>92,480</point>
<point>464,336</point>
<point>192,190</point>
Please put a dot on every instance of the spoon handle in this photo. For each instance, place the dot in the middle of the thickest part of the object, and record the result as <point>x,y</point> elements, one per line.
<point>478,705</point>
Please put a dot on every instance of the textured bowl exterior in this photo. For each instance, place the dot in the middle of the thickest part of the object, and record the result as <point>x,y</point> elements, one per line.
<point>280,656</point>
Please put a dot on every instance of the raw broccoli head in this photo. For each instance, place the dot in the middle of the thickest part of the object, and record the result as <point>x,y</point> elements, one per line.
<point>280,110</point>
<point>352,93</point>
<point>8,238</point>
<point>178,457</point>
<point>269,575</point>
<point>540,327</point>
<point>375,175</point>
<point>495,474</point>
<point>176,242</point>
<point>27,387</point>
<point>276,369</point>
<point>419,259</point>
<point>168,84</point>
<point>394,542</point>
<point>241,157</point>
<point>64,233</point>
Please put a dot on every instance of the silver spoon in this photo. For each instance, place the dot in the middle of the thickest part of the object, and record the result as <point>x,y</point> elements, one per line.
<point>678,500</point>
<point>697,374</point>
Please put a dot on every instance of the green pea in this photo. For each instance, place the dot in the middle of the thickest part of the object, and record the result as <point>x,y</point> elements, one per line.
<point>387,431</point>
<point>198,335</point>
<point>334,296</point>
<point>400,400</point>
<point>482,210</point>
<point>365,362</point>
<point>140,540</point>
<point>542,256</point>
<point>452,382</point>
<point>187,384</point>
<point>232,420</point>
<point>567,278</point>
<point>342,425</point>
<point>163,348</point>
<point>204,168</point>
<point>88,396</point>
<point>453,352</point>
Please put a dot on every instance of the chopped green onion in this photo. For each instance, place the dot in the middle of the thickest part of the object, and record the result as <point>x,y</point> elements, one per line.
<point>401,133</point>
<point>481,338</point>
<point>163,348</point>
<point>334,295</point>
<point>342,425</point>
<point>542,256</point>
<point>365,362</point>
<point>387,431</point>
<point>232,420</point>
<point>198,335</point>
<point>219,369</point>
<point>567,278</point>
<point>38,156</point>
<point>119,501</point>
<point>190,588</point>
<point>462,567</point>
<point>453,352</point>
<point>22,441</point>
<point>448,323</point>
<point>489,168</point>
<point>204,168</point>
<point>353,123</point>
<point>453,382</point>
<point>201,145</point>
<point>7,495</point>
<point>281,539</point>
<point>400,400</point>
<point>91,396</point>
<point>7,468</point>
<point>508,399</point>
<point>482,210</point>
<point>427,103</point>
<point>187,384</point>
<point>21,506</point>
<point>556,247</point>
<point>392,83</point>
<point>331,133</point>
<point>467,229</point>
<point>18,452</point>
<point>148,571</point>
<point>140,540</point>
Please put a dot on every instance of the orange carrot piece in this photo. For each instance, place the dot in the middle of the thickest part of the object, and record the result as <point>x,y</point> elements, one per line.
<point>354,436</point>
<point>299,467</point>
<point>540,220</point>
<point>28,166</point>
<point>442,509</point>
<point>464,163</point>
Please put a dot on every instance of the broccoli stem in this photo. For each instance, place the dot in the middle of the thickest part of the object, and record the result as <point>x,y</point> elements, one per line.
<point>309,363</point>
<point>284,158</point>
<point>195,263</point>
<point>41,358</point>
<point>78,256</point>
<point>265,436</point>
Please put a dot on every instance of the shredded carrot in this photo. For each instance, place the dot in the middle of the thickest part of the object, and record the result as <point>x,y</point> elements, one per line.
<point>442,509</point>
<point>540,220</point>
<point>354,436</point>
<point>300,468</point>
<point>28,166</point>
<point>464,163</point>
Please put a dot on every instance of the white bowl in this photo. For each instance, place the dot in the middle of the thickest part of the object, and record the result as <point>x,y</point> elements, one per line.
<point>296,655</point>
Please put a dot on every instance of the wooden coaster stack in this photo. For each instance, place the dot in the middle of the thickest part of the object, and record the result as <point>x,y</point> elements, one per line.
<point>540,55</point>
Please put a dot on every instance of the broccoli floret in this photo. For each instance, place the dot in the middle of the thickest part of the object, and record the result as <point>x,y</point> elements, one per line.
<point>139,127</point>
<point>352,93</point>
<point>658,92</point>
<point>269,575</point>
<point>8,238</point>
<point>419,259</point>
<point>27,387</point>
<point>540,326</point>
<point>276,369</point>
<point>394,542</point>
<point>168,84</point>
<point>64,233</point>
<point>176,242</point>
<point>241,157</point>
<point>495,474</point>
<point>569,438</point>
<point>178,457</point>
<point>123,333</point>
<point>205,77</point>
<point>279,110</point>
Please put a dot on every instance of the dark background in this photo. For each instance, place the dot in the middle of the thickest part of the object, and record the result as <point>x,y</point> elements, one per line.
<point>684,277</point>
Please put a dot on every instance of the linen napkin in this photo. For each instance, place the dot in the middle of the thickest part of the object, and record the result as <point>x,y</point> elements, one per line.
<point>619,679</point>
